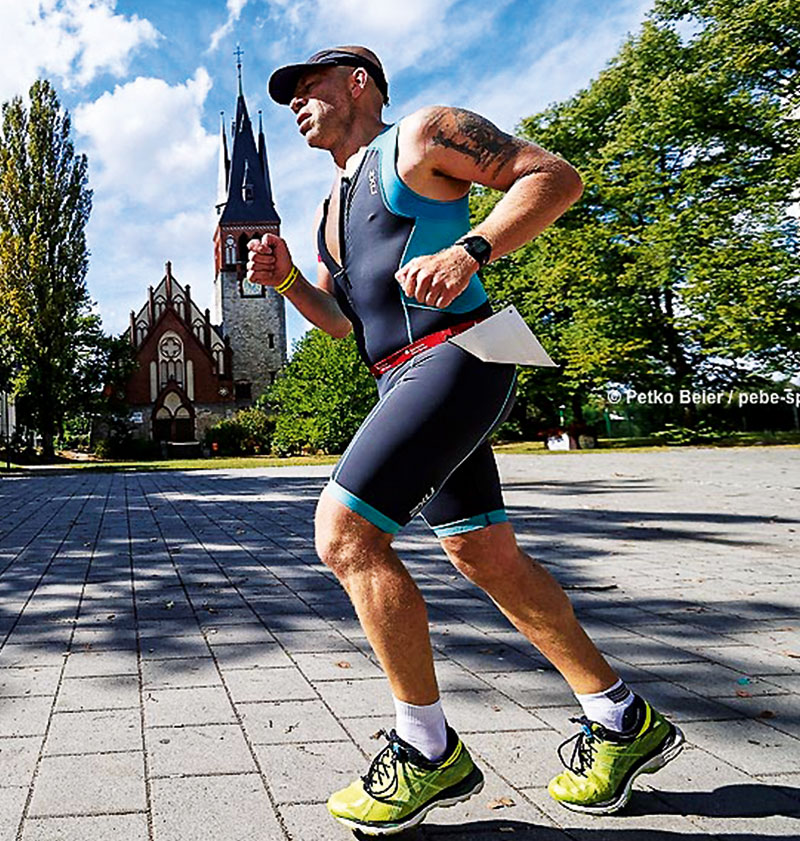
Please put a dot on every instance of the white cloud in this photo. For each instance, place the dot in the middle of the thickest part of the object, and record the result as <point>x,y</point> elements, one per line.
<point>74,40</point>
<point>402,33</point>
<point>146,143</point>
<point>152,169</point>
<point>234,13</point>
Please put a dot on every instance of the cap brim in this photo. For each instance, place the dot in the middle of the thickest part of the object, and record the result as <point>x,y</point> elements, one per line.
<point>284,80</point>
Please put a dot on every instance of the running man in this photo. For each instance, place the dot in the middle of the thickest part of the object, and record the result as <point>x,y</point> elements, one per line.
<point>398,266</point>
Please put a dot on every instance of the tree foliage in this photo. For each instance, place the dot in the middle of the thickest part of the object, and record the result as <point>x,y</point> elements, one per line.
<point>679,265</point>
<point>44,207</point>
<point>321,397</point>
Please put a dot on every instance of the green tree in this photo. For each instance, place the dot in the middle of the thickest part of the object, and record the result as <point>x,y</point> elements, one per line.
<point>321,397</point>
<point>678,267</point>
<point>44,207</point>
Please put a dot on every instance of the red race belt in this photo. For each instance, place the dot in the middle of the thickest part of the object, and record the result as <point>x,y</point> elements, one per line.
<point>416,348</point>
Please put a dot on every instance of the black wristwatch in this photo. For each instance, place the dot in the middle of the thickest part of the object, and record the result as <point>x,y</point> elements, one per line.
<point>477,247</point>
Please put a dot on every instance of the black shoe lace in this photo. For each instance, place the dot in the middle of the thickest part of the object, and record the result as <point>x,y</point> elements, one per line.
<point>585,746</point>
<point>381,780</point>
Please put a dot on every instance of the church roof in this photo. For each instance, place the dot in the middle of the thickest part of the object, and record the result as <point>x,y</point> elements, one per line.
<point>169,294</point>
<point>247,194</point>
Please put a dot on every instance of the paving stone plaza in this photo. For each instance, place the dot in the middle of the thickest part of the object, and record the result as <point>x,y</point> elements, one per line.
<point>176,665</point>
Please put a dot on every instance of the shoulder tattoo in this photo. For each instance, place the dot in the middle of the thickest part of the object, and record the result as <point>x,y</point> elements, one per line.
<point>475,137</point>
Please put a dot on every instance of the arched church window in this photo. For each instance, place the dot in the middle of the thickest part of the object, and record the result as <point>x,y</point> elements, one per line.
<point>218,352</point>
<point>230,250</point>
<point>170,357</point>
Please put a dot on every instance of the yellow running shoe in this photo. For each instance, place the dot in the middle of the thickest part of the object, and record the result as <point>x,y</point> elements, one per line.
<point>402,786</point>
<point>604,763</point>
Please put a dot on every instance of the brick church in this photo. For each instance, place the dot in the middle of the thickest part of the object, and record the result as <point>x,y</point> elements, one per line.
<point>195,367</point>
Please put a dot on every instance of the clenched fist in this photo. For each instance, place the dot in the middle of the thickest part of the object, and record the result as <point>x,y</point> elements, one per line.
<point>270,261</point>
<point>437,279</point>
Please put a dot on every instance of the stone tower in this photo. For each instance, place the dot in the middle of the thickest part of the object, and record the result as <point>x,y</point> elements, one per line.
<point>253,317</point>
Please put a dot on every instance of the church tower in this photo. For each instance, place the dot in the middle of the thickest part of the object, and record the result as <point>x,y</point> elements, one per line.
<point>253,317</point>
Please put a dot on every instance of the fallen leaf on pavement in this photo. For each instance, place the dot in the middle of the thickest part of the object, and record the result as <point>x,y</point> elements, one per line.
<point>500,803</point>
<point>343,664</point>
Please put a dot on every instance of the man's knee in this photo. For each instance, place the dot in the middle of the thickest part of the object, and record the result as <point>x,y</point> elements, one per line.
<point>485,554</point>
<point>346,542</point>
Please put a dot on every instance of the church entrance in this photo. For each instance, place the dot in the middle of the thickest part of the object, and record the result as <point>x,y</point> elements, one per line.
<point>173,418</point>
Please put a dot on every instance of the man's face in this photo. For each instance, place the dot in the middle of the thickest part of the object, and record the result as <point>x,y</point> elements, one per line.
<point>323,105</point>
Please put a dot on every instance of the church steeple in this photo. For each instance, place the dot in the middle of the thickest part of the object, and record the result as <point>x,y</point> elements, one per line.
<point>248,195</point>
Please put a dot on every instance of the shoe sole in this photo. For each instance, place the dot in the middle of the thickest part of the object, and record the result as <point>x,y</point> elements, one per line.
<point>472,784</point>
<point>650,766</point>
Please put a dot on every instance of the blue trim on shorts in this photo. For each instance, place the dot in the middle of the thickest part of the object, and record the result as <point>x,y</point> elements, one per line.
<point>364,509</point>
<point>479,521</point>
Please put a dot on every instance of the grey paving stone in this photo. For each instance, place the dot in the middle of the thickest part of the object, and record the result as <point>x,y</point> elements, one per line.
<point>132,827</point>
<point>750,660</point>
<point>35,680</point>
<point>312,822</point>
<point>196,705</point>
<point>489,711</point>
<point>644,651</point>
<point>236,634</point>
<point>525,758</point>
<point>171,647</point>
<point>32,654</point>
<point>750,746</point>
<point>268,685</point>
<point>348,698</point>
<point>492,657</point>
<point>106,639</point>
<point>211,808</point>
<point>534,689</point>
<point>251,656</point>
<point>94,732</point>
<point>304,773</point>
<point>89,784</point>
<point>18,759</point>
<point>305,722</point>
<point>180,672</point>
<point>299,642</point>
<point>98,693</point>
<point>24,716</point>
<point>212,749</point>
<point>12,804</point>
<point>99,663</point>
<point>333,666</point>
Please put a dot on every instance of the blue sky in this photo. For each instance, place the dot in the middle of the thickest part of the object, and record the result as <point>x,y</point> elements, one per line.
<point>145,81</point>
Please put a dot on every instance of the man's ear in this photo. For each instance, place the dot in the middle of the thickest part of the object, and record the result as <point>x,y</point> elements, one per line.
<point>358,81</point>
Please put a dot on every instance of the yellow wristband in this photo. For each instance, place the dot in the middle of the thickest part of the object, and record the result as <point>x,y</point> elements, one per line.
<point>286,284</point>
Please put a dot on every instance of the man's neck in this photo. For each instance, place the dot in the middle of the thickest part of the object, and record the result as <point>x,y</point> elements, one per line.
<point>361,133</point>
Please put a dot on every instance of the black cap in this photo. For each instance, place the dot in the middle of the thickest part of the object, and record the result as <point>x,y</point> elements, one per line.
<point>284,80</point>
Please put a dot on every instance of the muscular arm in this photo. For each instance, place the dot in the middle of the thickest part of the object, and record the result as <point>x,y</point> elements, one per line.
<point>442,151</point>
<point>461,148</point>
<point>270,263</point>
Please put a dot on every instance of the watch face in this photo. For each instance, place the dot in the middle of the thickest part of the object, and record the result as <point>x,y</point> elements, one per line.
<point>477,247</point>
<point>251,290</point>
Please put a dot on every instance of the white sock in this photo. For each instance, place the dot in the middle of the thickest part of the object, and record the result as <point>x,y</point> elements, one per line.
<point>607,707</point>
<point>422,727</point>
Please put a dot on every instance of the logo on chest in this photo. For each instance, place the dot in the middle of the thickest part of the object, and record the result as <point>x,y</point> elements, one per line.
<point>373,182</point>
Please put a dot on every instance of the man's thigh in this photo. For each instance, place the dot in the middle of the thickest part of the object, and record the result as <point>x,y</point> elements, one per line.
<point>470,499</point>
<point>428,425</point>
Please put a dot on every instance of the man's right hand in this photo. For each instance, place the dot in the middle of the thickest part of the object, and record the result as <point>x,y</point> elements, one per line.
<point>270,261</point>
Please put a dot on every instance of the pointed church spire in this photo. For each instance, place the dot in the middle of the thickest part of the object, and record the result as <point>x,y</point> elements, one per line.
<point>248,193</point>
<point>224,165</point>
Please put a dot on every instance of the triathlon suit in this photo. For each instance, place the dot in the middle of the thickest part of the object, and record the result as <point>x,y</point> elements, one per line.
<point>424,445</point>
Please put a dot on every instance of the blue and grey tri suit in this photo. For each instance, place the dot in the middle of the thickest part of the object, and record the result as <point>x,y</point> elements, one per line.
<point>424,446</point>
